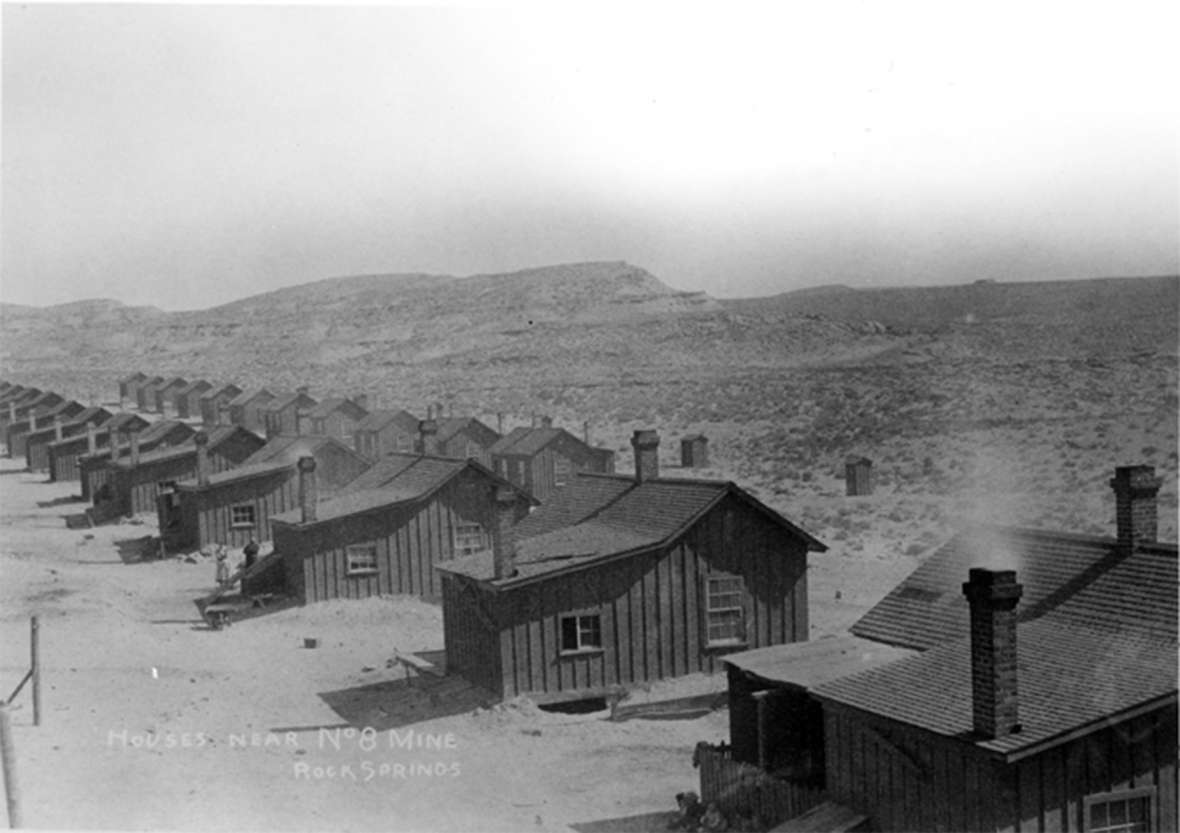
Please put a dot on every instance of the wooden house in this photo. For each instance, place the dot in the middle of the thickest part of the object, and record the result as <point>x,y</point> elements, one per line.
<point>858,476</point>
<point>94,470</point>
<point>15,406</point>
<point>232,506</point>
<point>188,399</point>
<point>979,697</point>
<point>166,393</point>
<point>694,451</point>
<point>463,438</point>
<point>622,580</point>
<point>128,386</point>
<point>37,442</point>
<point>63,455</point>
<point>214,405</point>
<point>386,432</point>
<point>545,458</point>
<point>334,417</point>
<point>245,409</point>
<point>136,480</point>
<point>285,413</point>
<point>385,531</point>
<point>145,392</point>
<point>37,417</point>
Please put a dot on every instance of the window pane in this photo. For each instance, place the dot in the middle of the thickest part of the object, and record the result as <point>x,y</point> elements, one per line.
<point>590,632</point>
<point>1097,816</point>
<point>1118,813</point>
<point>569,634</point>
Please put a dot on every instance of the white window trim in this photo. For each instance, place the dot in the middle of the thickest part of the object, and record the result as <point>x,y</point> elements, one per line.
<point>727,642</point>
<point>366,551</point>
<point>236,524</point>
<point>580,649</point>
<point>463,529</point>
<point>1131,793</point>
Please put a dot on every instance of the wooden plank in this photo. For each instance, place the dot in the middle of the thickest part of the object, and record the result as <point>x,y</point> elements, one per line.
<point>1098,762</point>
<point>1075,780</point>
<point>677,618</point>
<point>1053,789</point>
<point>1165,753</point>
<point>648,607</point>
<point>665,618</point>
<point>1029,793</point>
<point>1141,731</point>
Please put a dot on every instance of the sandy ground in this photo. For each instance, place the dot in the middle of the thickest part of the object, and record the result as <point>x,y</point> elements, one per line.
<point>152,721</point>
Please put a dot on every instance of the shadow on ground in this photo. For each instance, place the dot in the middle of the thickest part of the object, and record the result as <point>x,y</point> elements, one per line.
<point>138,550</point>
<point>58,501</point>
<point>395,703</point>
<point>641,823</point>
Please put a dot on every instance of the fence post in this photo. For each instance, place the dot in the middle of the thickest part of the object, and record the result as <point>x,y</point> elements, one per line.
<point>35,661</point>
<point>8,760</point>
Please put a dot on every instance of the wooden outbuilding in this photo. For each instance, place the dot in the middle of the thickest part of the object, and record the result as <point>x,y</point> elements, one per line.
<point>94,470</point>
<point>979,697</point>
<point>136,480</point>
<point>214,405</point>
<point>858,476</point>
<point>37,417</point>
<point>463,438</point>
<point>545,458</point>
<point>334,417</point>
<point>166,393</point>
<point>622,580</point>
<point>37,442</point>
<point>128,386</point>
<point>385,432</point>
<point>63,456</point>
<point>188,399</point>
<point>694,451</point>
<point>283,414</point>
<point>387,529</point>
<point>246,409</point>
<point>232,506</point>
<point>145,392</point>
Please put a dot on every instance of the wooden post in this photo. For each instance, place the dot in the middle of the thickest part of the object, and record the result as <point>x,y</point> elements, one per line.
<point>35,663</point>
<point>8,759</point>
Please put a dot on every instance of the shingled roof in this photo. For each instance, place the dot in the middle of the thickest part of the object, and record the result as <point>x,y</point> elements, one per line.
<point>217,436</point>
<point>395,479</point>
<point>598,517</point>
<point>450,426</point>
<point>376,420</point>
<point>329,406</point>
<point>928,607</point>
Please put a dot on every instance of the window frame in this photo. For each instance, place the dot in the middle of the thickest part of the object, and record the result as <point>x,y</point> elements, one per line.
<point>465,528</point>
<point>234,523</point>
<point>563,470</point>
<point>593,626</point>
<point>165,487</point>
<point>366,551</point>
<point>708,609</point>
<point>1130,794</point>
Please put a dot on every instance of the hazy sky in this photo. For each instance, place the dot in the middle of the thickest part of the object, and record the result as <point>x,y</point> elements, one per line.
<point>184,156</point>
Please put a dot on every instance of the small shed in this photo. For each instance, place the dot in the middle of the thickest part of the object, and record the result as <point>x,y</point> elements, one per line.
<point>543,458</point>
<point>188,399</point>
<point>282,415</point>
<point>694,451</point>
<point>334,417</point>
<point>385,432</point>
<point>465,438</point>
<point>214,404</point>
<point>145,392</point>
<point>167,392</point>
<point>128,386</point>
<point>246,409</point>
<point>858,476</point>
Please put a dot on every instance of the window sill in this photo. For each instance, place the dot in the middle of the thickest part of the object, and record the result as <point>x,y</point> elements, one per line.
<point>581,652</point>
<point>360,573</point>
<point>243,526</point>
<point>727,645</point>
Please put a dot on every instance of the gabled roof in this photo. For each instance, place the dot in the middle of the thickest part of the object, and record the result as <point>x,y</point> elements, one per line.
<point>527,442</point>
<point>77,420</point>
<point>134,377</point>
<point>287,449</point>
<point>928,607</point>
<point>810,664</point>
<point>377,420</point>
<point>598,517</point>
<point>398,479</point>
<point>194,386</point>
<point>220,390</point>
<point>217,437</point>
<point>174,382</point>
<point>329,406</point>
<point>450,426</point>
<point>285,400</point>
<point>249,395</point>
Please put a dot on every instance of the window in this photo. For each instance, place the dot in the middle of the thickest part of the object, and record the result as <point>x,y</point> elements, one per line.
<point>469,539</point>
<point>581,633</point>
<point>404,442</point>
<point>164,487</point>
<point>473,449</point>
<point>724,615</point>
<point>1128,811</point>
<point>561,470</point>
<point>242,515</point>
<point>362,559</point>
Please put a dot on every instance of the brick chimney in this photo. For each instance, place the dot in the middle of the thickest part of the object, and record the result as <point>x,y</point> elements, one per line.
<point>428,436</point>
<point>201,439</point>
<point>308,489</point>
<point>503,534</point>
<point>647,455</point>
<point>91,441</point>
<point>57,428</point>
<point>993,596</point>
<point>1136,517</point>
<point>133,439</point>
